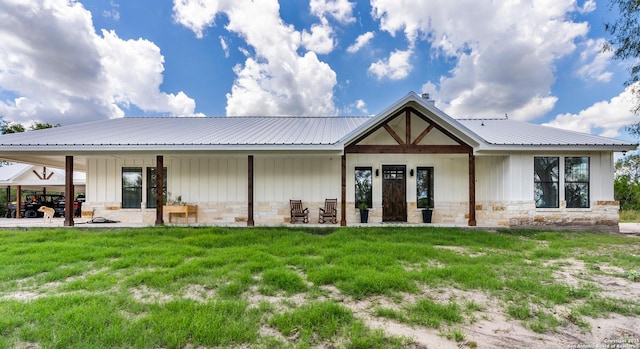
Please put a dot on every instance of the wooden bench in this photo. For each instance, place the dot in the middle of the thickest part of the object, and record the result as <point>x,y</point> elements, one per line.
<point>181,210</point>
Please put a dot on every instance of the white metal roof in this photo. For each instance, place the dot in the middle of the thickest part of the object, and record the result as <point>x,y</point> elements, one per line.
<point>289,133</point>
<point>159,131</point>
<point>513,132</point>
<point>499,134</point>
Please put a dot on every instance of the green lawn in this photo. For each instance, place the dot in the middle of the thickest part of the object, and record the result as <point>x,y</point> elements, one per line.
<point>629,216</point>
<point>293,287</point>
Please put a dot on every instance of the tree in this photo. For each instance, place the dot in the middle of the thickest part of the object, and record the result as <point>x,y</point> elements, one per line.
<point>42,126</point>
<point>627,182</point>
<point>12,127</point>
<point>7,127</point>
<point>625,44</point>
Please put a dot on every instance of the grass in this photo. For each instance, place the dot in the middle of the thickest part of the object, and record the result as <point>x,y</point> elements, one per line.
<point>629,216</point>
<point>325,321</point>
<point>222,287</point>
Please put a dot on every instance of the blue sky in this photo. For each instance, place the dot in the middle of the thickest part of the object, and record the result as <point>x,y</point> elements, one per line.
<point>535,60</point>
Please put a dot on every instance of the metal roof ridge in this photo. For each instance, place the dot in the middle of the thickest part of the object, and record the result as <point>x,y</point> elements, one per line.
<point>310,117</point>
<point>482,119</point>
<point>250,117</point>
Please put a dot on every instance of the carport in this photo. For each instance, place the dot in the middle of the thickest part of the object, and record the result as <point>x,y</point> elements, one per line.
<point>28,177</point>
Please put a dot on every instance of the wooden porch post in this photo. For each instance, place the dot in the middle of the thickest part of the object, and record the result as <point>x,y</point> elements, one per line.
<point>343,200</point>
<point>18,201</point>
<point>472,190</point>
<point>159,190</point>
<point>68,192</point>
<point>8,196</point>
<point>250,222</point>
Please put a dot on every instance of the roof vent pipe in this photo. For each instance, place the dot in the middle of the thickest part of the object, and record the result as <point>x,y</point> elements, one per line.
<point>428,99</point>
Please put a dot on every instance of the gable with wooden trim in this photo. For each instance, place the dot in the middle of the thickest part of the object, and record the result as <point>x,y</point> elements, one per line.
<point>415,133</point>
<point>408,131</point>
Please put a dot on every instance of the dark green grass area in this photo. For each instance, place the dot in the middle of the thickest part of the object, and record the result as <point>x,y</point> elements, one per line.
<point>321,321</point>
<point>74,288</point>
<point>95,321</point>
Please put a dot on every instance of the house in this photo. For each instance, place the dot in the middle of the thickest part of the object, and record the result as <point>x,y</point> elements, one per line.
<point>398,162</point>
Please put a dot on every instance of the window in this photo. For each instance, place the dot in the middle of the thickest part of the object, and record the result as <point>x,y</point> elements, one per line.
<point>546,176</point>
<point>424,187</point>
<point>393,173</point>
<point>131,187</point>
<point>576,182</point>
<point>152,184</point>
<point>363,186</point>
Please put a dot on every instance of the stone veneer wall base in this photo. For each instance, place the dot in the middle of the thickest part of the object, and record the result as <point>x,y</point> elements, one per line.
<point>601,216</point>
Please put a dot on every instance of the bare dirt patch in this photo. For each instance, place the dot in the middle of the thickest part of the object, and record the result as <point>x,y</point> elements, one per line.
<point>144,294</point>
<point>491,327</point>
<point>198,293</point>
<point>609,279</point>
<point>280,302</point>
<point>461,250</point>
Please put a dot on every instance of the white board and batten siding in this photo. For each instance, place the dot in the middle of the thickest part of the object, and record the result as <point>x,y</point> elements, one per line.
<point>451,174</point>
<point>220,183</point>
<point>511,177</point>
<point>311,179</point>
<point>505,192</point>
<point>196,179</point>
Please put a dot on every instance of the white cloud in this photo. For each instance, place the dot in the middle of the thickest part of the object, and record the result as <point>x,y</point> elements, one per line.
<point>320,39</point>
<point>61,71</point>
<point>244,51</point>
<point>225,46</point>
<point>606,118</point>
<point>395,67</point>
<point>361,106</point>
<point>275,79</point>
<point>341,10</point>
<point>134,73</point>
<point>504,51</point>
<point>588,7</point>
<point>594,62</point>
<point>195,14</point>
<point>431,89</point>
<point>113,12</point>
<point>361,41</point>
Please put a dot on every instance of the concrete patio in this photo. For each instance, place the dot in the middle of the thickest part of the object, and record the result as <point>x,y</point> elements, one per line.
<point>25,223</point>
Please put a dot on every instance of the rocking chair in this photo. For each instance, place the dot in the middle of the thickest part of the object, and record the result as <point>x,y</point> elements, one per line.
<point>329,211</point>
<point>297,212</point>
